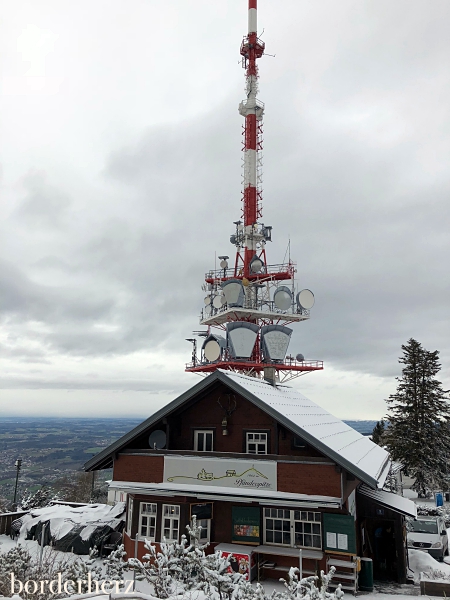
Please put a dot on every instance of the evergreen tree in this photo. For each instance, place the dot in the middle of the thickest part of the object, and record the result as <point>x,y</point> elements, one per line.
<point>418,416</point>
<point>378,433</point>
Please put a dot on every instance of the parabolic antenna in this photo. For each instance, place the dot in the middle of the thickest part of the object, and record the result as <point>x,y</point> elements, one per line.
<point>217,302</point>
<point>275,341</point>
<point>300,357</point>
<point>211,350</point>
<point>208,310</point>
<point>233,292</point>
<point>282,298</point>
<point>157,439</point>
<point>305,299</point>
<point>256,264</point>
<point>224,264</point>
<point>241,338</point>
<point>207,300</point>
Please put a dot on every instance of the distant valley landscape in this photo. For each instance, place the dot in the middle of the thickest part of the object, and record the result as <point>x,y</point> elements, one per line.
<point>51,448</point>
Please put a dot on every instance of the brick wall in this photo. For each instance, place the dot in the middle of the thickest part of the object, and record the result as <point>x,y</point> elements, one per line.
<point>145,469</point>
<point>321,480</point>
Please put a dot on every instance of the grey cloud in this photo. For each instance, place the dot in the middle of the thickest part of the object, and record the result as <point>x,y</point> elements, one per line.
<point>43,204</point>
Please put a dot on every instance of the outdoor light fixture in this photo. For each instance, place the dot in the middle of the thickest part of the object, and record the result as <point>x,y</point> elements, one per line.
<point>224,426</point>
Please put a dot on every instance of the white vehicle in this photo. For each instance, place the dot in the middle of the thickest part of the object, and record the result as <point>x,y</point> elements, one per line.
<point>430,535</point>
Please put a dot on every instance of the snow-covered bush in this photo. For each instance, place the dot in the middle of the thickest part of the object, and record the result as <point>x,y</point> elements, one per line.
<point>427,510</point>
<point>310,588</point>
<point>116,565</point>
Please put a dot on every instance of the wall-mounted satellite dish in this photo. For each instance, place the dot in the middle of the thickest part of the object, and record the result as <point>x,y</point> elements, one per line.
<point>217,302</point>
<point>212,347</point>
<point>300,357</point>
<point>233,291</point>
<point>241,338</point>
<point>275,341</point>
<point>282,298</point>
<point>305,299</point>
<point>157,439</point>
<point>256,264</point>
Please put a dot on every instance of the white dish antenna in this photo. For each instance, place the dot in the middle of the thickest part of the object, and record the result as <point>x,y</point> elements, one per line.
<point>283,298</point>
<point>217,302</point>
<point>305,299</point>
<point>233,291</point>
<point>208,310</point>
<point>157,439</point>
<point>256,264</point>
<point>207,300</point>
<point>241,338</point>
<point>275,341</point>
<point>223,264</point>
<point>211,350</point>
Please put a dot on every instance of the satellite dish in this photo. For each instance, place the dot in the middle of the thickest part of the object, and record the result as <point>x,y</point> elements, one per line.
<point>224,264</point>
<point>207,300</point>
<point>217,302</point>
<point>300,357</point>
<point>305,299</point>
<point>256,264</point>
<point>211,350</point>
<point>223,300</point>
<point>208,310</point>
<point>233,292</point>
<point>274,342</point>
<point>241,338</point>
<point>283,298</point>
<point>157,439</point>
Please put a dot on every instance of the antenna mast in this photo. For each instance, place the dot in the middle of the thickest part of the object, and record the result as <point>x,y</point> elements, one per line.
<point>246,303</point>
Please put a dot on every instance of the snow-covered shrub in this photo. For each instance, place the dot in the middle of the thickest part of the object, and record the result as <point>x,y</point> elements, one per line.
<point>79,570</point>
<point>435,574</point>
<point>310,588</point>
<point>427,510</point>
<point>116,565</point>
<point>17,561</point>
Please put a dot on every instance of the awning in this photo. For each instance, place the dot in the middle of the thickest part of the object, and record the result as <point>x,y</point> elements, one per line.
<point>388,500</point>
<point>205,492</point>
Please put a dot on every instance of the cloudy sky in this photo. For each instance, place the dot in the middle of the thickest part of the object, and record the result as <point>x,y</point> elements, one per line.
<point>121,176</point>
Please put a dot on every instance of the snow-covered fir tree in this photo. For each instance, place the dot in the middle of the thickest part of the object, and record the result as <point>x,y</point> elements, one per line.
<point>418,414</point>
<point>116,565</point>
<point>378,433</point>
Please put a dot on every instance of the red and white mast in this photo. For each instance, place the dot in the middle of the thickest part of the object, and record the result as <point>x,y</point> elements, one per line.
<point>245,302</point>
<point>252,110</point>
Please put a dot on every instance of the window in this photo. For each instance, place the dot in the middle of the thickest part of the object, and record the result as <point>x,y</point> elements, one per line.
<point>147,521</point>
<point>170,522</point>
<point>203,440</point>
<point>130,515</point>
<point>296,528</point>
<point>256,443</point>
<point>205,533</point>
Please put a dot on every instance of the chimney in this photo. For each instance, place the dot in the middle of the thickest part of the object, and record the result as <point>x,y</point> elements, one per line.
<point>270,375</point>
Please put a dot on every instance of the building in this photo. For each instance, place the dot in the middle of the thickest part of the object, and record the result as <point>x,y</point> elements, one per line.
<point>264,468</point>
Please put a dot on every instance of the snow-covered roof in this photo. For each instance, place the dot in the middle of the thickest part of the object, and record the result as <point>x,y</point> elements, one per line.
<point>389,500</point>
<point>63,518</point>
<point>320,429</point>
<point>213,492</point>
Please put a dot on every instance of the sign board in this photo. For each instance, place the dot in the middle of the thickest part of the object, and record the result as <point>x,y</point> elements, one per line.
<point>218,472</point>
<point>202,511</point>
<point>246,524</point>
<point>339,533</point>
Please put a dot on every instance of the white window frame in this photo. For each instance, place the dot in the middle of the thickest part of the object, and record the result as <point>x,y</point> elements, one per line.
<point>173,515</point>
<point>205,534</point>
<point>197,433</point>
<point>148,513</point>
<point>308,521</point>
<point>255,438</point>
<point>129,515</point>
